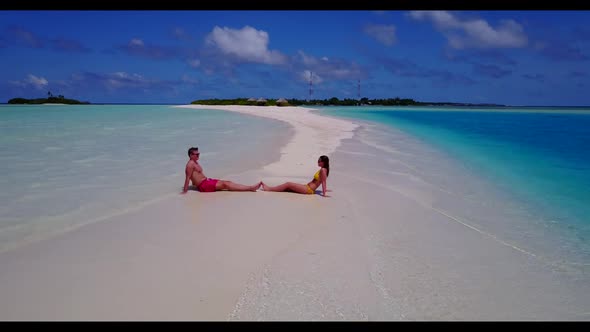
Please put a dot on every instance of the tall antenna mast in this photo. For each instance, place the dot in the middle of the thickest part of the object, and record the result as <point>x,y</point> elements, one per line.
<point>310,84</point>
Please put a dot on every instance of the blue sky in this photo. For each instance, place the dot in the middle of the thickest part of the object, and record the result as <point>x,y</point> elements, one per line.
<point>507,57</point>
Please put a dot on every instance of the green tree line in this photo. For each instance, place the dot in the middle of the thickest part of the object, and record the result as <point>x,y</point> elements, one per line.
<point>299,102</point>
<point>333,102</point>
<point>51,99</point>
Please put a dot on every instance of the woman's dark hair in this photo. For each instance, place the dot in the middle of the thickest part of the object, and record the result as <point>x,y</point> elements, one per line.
<point>191,150</point>
<point>326,162</point>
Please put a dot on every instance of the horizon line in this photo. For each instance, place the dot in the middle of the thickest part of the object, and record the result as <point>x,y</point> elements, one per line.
<point>466,104</point>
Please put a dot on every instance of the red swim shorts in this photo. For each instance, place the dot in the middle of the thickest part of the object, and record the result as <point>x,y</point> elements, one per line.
<point>207,185</point>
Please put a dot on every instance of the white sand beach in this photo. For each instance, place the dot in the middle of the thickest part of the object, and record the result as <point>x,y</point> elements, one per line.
<point>379,248</point>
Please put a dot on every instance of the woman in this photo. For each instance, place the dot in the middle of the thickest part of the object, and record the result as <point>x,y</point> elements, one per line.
<point>319,178</point>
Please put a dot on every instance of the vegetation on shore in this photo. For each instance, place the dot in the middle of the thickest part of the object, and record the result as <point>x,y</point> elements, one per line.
<point>330,102</point>
<point>51,99</point>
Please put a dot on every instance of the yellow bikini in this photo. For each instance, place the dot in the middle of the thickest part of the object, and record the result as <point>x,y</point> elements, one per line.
<point>316,177</point>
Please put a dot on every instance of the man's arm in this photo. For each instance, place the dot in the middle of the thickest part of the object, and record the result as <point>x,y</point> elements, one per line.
<point>188,172</point>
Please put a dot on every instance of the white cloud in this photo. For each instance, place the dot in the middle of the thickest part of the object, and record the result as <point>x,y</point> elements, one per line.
<point>37,82</point>
<point>180,33</point>
<point>137,47</point>
<point>325,69</point>
<point>119,80</point>
<point>306,75</point>
<point>307,59</point>
<point>31,81</point>
<point>343,73</point>
<point>136,43</point>
<point>187,79</point>
<point>247,44</point>
<point>385,34</point>
<point>442,19</point>
<point>194,63</point>
<point>474,32</point>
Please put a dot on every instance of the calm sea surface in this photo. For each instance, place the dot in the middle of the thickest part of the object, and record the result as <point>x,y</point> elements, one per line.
<point>539,157</point>
<point>65,166</point>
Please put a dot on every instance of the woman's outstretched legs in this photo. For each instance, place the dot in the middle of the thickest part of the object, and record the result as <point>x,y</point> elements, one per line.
<point>287,186</point>
<point>232,186</point>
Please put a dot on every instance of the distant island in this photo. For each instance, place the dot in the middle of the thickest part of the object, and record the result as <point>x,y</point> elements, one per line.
<point>333,102</point>
<point>51,99</point>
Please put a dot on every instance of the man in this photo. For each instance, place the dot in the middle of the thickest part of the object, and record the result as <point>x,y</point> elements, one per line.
<point>194,173</point>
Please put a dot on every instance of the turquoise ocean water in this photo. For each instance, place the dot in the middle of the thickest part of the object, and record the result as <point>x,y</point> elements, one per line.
<point>539,158</point>
<point>66,166</point>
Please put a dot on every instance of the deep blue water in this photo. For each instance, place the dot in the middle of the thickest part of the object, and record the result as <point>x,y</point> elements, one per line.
<point>541,156</point>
